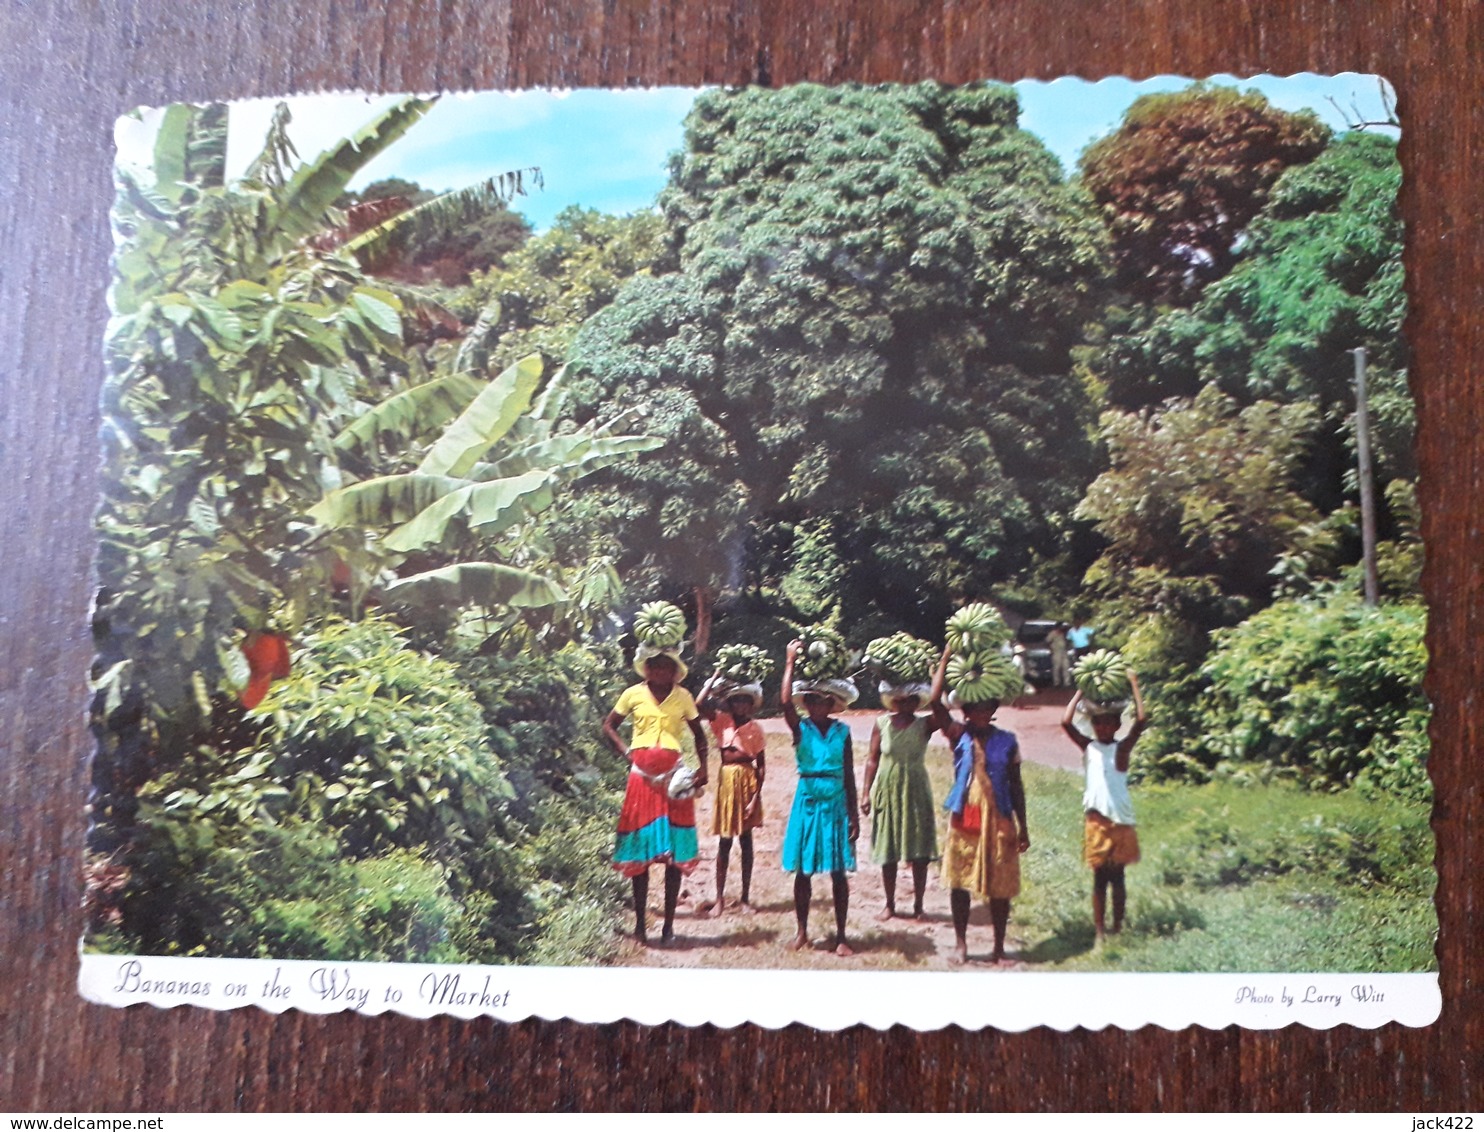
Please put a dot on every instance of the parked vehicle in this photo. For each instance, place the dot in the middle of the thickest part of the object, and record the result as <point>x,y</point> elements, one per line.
<point>1032,646</point>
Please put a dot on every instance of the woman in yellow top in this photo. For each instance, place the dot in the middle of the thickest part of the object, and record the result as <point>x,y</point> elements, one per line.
<point>653,827</point>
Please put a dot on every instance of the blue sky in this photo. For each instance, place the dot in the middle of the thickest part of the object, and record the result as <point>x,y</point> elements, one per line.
<point>608,149</point>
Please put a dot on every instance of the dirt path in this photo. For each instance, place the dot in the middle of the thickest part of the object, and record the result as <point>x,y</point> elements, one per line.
<point>756,939</point>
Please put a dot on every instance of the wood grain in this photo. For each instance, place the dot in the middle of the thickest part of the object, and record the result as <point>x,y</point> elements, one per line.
<point>70,68</point>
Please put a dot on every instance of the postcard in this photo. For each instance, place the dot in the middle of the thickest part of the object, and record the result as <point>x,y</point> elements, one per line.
<point>906,555</point>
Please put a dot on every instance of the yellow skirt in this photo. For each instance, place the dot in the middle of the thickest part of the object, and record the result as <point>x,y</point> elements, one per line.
<point>736,790</point>
<point>983,851</point>
<point>1105,842</point>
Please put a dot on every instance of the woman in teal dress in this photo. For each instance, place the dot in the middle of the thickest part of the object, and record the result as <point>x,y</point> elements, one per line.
<point>822,826</point>
<point>899,794</point>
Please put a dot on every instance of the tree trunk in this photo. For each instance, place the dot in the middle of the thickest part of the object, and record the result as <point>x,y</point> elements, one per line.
<point>704,600</point>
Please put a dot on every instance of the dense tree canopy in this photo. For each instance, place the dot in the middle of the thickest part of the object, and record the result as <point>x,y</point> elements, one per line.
<point>1319,273</point>
<point>1182,177</point>
<point>557,280</point>
<point>875,296</point>
<point>1200,492</point>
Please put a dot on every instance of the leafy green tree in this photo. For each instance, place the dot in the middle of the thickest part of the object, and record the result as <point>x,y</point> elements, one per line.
<point>861,276</point>
<point>1319,273</point>
<point>1327,688</point>
<point>1200,494</point>
<point>562,277</point>
<point>1183,175</point>
<point>234,352</point>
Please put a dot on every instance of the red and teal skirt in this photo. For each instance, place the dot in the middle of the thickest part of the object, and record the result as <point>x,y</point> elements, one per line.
<point>654,828</point>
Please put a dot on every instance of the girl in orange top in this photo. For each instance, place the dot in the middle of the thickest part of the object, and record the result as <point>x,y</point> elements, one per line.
<point>739,801</point>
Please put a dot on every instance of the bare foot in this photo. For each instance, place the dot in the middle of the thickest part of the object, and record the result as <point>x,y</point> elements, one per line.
<point>844,950</point>
<point>917,914</point>
<point>717,909</point>
<point>799,942</point>
<point>886,913</point>
<point>746,909</point>
<point>667,939</point>
<point>997,957</point>
<point>960,954</point>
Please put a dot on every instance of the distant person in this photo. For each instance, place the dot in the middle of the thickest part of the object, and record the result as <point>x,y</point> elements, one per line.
<point>899,794</point>
<point>987,831</point>
<point>654,827</point>
<point>1079,636</point>
<point>1109,840</point>
<point>738,809</point>
<point>1061,660</point>
<point>823,824</point>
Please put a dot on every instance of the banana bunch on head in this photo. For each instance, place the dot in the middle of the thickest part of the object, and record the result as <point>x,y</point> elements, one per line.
<point>977,628</point>
<point>743,664</point>
<point>978,677</point>
<point>1102,678</point>
<point>660,625</point>
<point>901,659</point>
<point>824,655</point>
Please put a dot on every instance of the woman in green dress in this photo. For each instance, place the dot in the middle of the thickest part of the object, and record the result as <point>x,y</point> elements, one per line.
<point>899,795</point>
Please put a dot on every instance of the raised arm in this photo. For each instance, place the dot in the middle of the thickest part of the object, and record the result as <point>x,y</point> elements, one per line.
<point>1126,747</point>
<point>941,715</point>
<point>1068,722</point>
<point>706,701</point>
<point>785,690</point>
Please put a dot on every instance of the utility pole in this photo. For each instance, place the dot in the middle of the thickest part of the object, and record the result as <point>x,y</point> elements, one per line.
<point>1367,489</point>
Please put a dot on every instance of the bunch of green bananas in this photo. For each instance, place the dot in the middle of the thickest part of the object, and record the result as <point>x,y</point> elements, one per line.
<point>659,625</point>
<point>901,659</point>
<point>977,628</point>
<point>1102,677</point>
<point>824,655</point>
<point>978,676</point>
<point>743,664</point>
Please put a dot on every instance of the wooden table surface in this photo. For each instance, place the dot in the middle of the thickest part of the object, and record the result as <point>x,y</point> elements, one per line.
<point>68,69</point>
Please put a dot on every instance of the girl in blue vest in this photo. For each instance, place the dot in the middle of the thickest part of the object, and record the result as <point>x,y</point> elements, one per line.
<point>823,824</point>
<point>987,830</point>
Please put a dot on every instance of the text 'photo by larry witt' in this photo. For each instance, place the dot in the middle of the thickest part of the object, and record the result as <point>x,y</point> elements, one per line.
<point>958,496</point>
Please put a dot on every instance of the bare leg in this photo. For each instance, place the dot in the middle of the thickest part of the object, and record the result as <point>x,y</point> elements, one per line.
<point>1100,880</point>
<point>999,915</point>
<point>889,883</point>
<point>1120,896</point>
<point>747,869</point>
<point>641,898</point>
<point>723,857</point>
<point>672,896</point>
<point>919,887</point>
<point>803,893</point>
<point>841,888</point>
<point>958,900</point>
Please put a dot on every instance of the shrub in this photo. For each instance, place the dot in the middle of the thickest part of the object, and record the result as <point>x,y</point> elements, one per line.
<point>1325,686</point>
<point>289,893</point>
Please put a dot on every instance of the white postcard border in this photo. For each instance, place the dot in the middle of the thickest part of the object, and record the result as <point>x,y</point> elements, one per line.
<point>825,1000</point>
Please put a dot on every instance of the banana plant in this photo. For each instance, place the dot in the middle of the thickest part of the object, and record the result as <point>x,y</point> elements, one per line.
<point>497,463</point>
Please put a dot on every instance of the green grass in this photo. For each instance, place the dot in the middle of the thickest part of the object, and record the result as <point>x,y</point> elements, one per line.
<point>1234,878</point>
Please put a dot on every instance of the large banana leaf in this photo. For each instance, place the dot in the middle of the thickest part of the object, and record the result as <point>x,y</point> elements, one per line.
<point>486,584</point>
<point>385,499</point>
<point>301,207</point>
<point>571,456</point>
<point>190,149</point>
<point>417,410</point>
<point>485,421</point>
<point>489,507</point>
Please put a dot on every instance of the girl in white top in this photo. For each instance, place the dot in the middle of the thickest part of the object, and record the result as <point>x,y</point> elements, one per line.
<point>1109,840</point>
